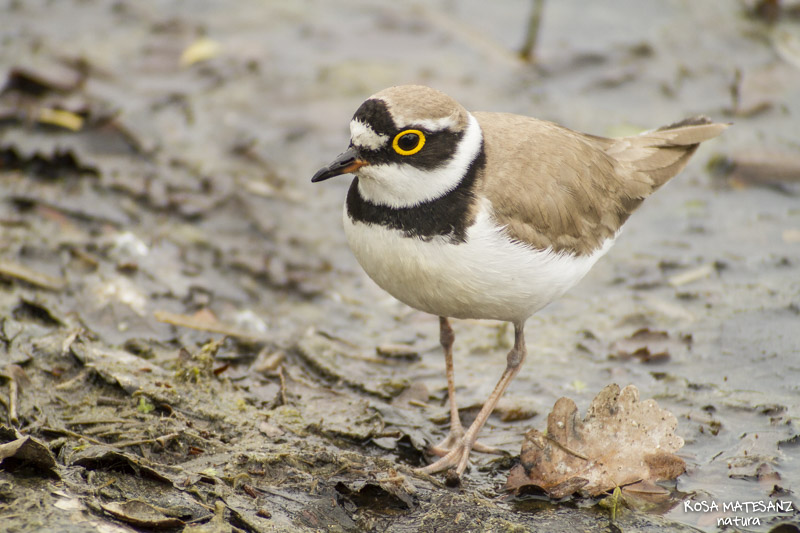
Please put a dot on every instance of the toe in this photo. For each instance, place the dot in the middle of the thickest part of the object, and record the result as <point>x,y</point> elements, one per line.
<point>451,459</point>
<point>483,448</point>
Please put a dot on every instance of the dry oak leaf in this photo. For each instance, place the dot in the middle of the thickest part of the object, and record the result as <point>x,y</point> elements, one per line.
<point>621,442</point>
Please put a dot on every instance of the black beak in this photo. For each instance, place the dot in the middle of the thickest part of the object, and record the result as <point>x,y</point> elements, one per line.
<point>345,163</point>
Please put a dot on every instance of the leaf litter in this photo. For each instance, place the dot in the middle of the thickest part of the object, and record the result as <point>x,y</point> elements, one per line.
<point>134,191</point>
<point>650,346</point>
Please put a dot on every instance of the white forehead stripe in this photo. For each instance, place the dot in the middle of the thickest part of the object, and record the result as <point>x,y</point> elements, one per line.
<point>363,136</point>
<point>433,124</point>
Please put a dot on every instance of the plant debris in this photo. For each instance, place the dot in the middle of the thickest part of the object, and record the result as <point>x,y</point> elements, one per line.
<point>141,514</point>
<point>26,451</point>
<point>621,442</point>
<point>162,255</point>
<point>649,346</point>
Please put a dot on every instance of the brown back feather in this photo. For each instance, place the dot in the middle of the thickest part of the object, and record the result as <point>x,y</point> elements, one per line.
<point>571,191</point>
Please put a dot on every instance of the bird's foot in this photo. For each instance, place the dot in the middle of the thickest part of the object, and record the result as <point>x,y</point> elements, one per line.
<point>454,454</point>
<point>453,440</point>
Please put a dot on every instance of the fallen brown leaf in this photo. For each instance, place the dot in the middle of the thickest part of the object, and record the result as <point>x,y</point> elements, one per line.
<point>649,346</point>
<point>28,450</point>
<point>620,442</point>
<point>141,514</point>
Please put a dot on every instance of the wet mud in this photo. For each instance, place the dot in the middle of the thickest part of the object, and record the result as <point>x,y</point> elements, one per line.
<point>187,344</point>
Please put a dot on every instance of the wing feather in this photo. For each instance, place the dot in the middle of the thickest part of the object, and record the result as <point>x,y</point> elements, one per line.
<point>552,187</point>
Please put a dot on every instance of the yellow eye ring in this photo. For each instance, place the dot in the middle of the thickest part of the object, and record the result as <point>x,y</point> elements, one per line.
<point>408,151</point>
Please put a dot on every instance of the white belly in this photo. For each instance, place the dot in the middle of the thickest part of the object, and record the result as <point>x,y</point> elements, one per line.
<point>488,276</point>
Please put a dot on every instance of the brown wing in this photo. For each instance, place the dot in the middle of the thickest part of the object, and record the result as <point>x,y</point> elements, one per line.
<point>553,187</point>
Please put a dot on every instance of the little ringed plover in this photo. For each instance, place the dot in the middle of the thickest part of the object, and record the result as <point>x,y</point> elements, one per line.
<point>489,215</point>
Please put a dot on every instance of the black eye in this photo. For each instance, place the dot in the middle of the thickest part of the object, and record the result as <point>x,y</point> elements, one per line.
<point>408,142</point>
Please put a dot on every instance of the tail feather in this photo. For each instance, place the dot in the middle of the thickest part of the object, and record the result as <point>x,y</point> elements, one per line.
<point>660,154</point>
<point>697,120</point>
<point>692,130</point>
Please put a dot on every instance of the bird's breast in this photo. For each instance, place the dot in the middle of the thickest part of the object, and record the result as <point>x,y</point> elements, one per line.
<point>485,275</point>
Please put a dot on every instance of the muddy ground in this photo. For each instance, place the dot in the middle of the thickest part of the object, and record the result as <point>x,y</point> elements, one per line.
<point>187,344</point>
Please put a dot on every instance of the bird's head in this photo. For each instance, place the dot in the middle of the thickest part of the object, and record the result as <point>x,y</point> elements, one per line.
<point>408,144</point>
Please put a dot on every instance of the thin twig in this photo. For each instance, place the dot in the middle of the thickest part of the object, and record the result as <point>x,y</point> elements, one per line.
<point>283,386</point>
<point>69,339</point>
<point>68,433</point>
<point>15,376</point>
<point>13,393</point>
<point>90,422</point>
<point>528,50</point>
<point>80,376</point>
<point>158,440</point>
<point>23,273</point>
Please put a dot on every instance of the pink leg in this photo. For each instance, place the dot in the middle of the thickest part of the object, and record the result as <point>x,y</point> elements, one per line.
<point>447,337</point>
<point>458,444</point>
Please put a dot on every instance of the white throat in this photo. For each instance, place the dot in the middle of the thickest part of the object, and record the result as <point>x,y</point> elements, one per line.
<point>399,185</point>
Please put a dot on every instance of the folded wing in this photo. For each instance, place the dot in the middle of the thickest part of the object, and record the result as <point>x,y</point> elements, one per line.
<point>599,181</point>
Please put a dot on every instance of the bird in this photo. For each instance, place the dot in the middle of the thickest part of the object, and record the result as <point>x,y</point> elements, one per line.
<point>488,215</point>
